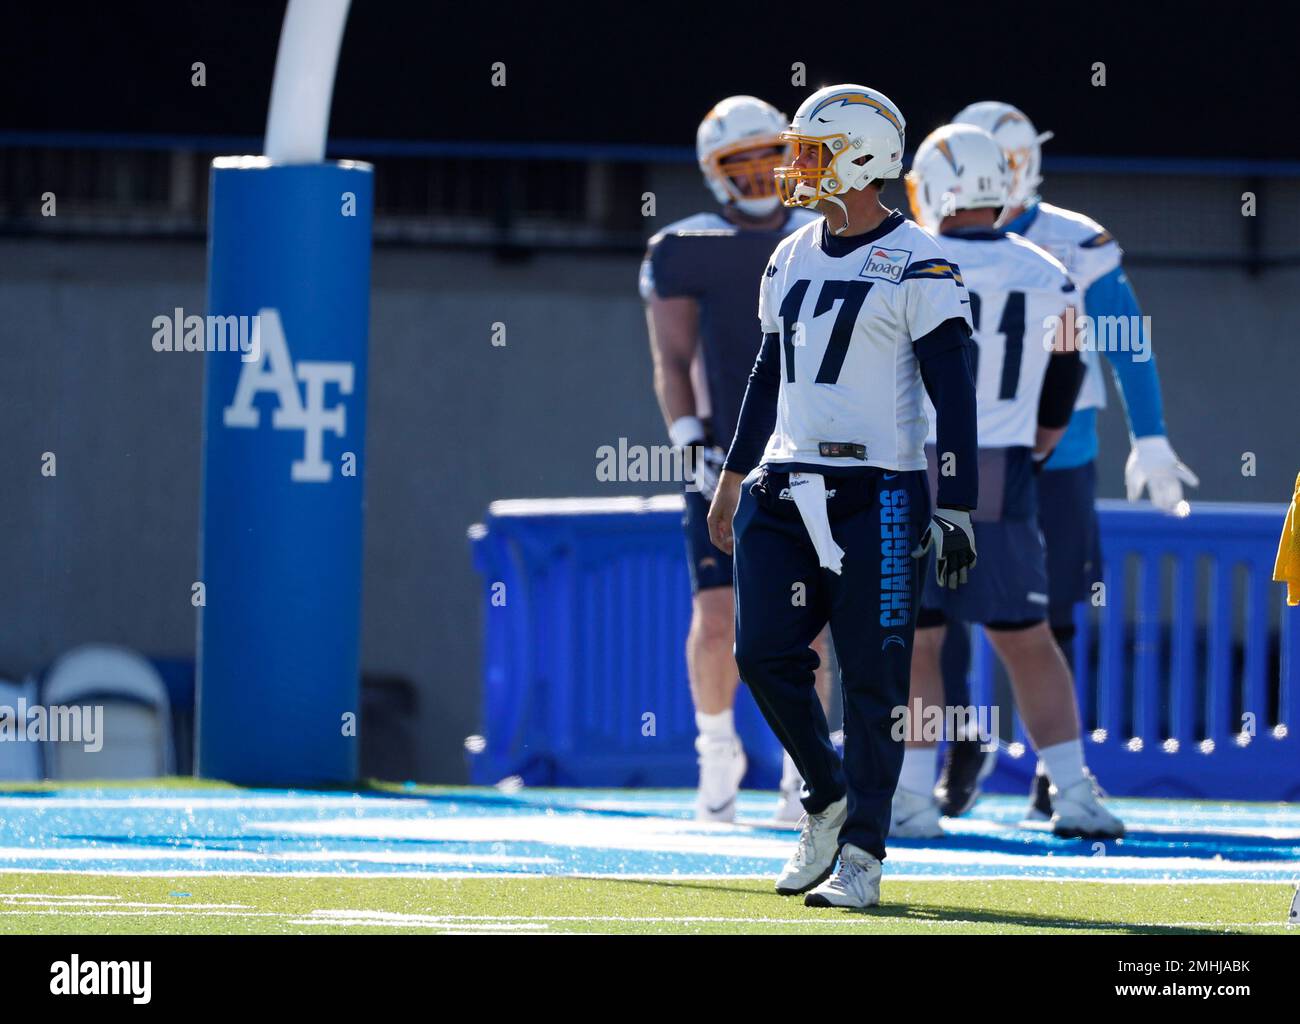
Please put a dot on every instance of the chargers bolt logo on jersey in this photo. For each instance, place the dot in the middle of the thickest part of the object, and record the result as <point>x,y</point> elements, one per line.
<point>887,264</point>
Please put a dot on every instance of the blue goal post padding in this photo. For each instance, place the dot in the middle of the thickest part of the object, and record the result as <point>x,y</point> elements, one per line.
<point>283,464</point>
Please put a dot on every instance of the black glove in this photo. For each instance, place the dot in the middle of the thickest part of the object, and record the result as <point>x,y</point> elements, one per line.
<point>953,539</point>
<point>709,459</point>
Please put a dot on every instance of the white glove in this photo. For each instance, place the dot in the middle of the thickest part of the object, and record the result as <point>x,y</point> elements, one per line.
<point>1153,465</point>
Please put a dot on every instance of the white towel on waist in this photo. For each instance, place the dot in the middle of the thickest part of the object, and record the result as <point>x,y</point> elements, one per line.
<point>809,493</point>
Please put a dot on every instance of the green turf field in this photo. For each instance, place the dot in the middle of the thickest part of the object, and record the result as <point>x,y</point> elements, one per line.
<point>178,856</point>
<point>48,904</point>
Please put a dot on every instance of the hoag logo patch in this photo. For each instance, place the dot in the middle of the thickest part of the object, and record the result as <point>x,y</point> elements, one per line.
<point>886,263</point>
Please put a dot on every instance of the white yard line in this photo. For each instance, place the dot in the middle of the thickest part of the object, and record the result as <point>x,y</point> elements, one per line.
<point>517,924</point>
<point>1289,880</point>
<point>538,925</point>
<point>6,901</point>
<point>137,801</point>
<point>352,921</point>
<point>115,853</point>
<point>382,916</point>
<point>177,912</point>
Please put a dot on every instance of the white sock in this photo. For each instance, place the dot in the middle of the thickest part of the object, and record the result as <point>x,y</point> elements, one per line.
<point>716,728</point>
<point>919,764</point>
<point>790,777</point>
<point>1064,763</point>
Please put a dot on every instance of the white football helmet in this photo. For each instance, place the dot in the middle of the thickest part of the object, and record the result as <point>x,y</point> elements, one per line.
<point>736,125</point>
<point>856,136</point>
<point>957,167</point>
<point>1019,139</point>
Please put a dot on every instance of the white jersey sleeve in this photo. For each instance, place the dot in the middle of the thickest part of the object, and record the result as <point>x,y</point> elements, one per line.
<point>933,290</point>
<point>1089,253</point>
<point>1087,249</point>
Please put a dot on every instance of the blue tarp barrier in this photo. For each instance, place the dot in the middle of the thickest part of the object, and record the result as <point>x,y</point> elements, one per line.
<point>1188,667</point>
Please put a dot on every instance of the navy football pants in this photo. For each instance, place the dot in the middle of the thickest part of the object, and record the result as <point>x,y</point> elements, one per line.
<point>877,518</point>
<point>1067,517</point>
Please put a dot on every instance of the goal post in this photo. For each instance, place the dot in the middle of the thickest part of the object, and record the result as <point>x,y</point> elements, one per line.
<point>284,438</point>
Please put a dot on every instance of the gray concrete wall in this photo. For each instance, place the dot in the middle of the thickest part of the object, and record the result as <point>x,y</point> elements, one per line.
<point>106,550</point>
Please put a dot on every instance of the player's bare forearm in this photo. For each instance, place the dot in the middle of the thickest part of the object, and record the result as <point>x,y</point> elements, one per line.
<point>674,392</point>
<point>723,508</point>
<point>673,325</point>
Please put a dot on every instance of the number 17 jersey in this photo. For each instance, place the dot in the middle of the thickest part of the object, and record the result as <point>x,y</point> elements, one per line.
<point>848,312</point>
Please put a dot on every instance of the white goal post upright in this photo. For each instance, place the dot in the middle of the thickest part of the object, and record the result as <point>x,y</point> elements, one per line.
<point>299,114</point>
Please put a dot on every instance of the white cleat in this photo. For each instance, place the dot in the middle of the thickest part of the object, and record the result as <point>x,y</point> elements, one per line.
<point>813,859</point>
<point>790,807</point>
<point>856,884</point>
<point>722,766</point>
<point>914,816</point>
<point>1078,813</point>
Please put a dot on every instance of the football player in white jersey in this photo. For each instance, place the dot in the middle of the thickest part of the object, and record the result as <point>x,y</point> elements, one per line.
<point>697,282</point>
<point>1067,485</point>
<point>823,496</point>
<point>1027,379</point>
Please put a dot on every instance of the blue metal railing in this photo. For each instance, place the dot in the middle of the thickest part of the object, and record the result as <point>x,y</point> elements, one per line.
<point>1187,667</point>
<point>1058,163</point>
<point>1186,661</point>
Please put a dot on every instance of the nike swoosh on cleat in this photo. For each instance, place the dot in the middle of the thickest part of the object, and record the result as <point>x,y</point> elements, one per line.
<point>721,807</point>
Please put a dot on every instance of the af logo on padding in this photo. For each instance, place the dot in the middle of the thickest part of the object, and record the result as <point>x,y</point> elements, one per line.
<point>275,372</point>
